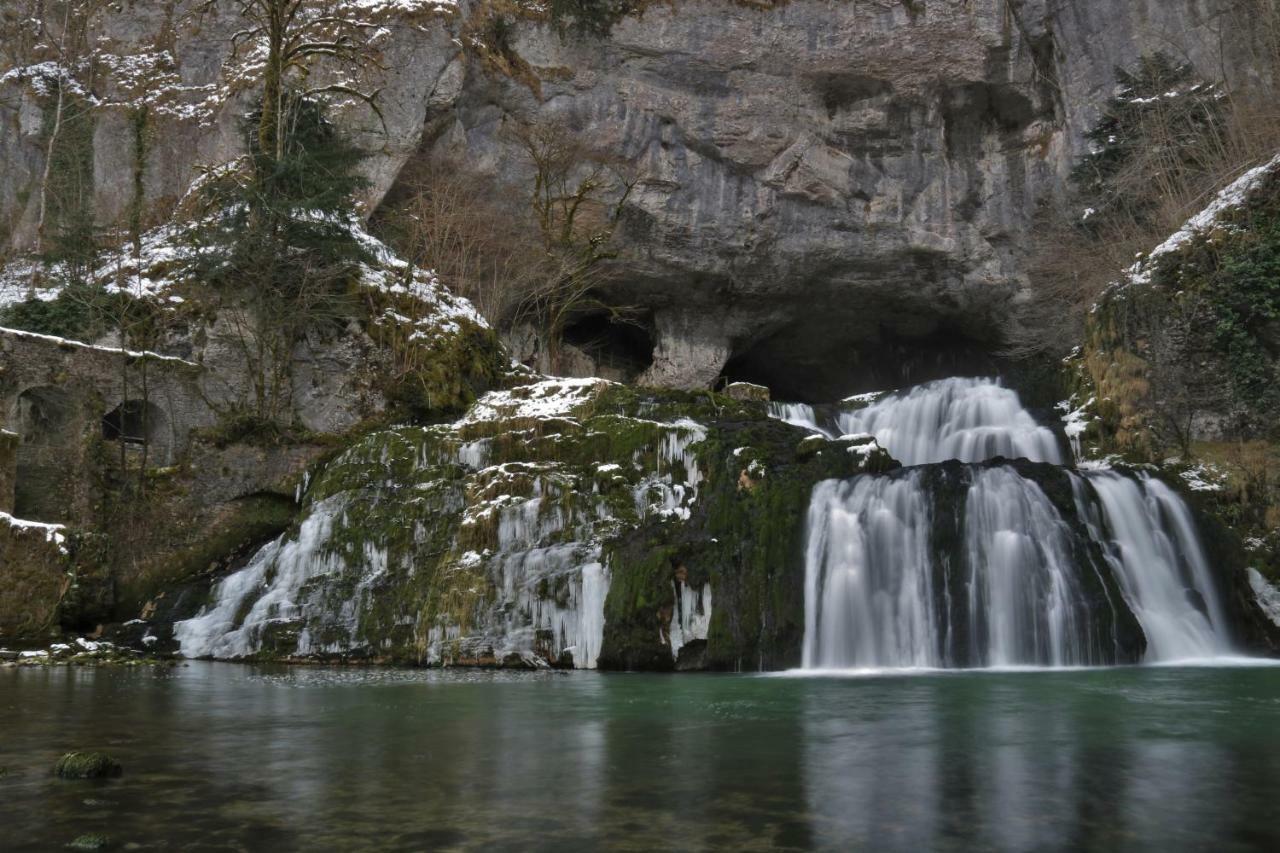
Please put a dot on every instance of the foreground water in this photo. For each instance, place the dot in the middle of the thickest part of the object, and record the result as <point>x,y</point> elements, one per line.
<point>232,757</point>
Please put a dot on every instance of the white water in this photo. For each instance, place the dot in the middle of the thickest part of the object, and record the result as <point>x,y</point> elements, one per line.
<point>223,631</point>
<point>966,419</point>
<point>1014,584</point>
<point>1162,568</point>
<point>799,414</point>
<point>868,581</point>
<point>1023,582</point>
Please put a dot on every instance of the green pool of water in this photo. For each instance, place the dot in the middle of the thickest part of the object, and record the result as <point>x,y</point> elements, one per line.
<point>230,757</point>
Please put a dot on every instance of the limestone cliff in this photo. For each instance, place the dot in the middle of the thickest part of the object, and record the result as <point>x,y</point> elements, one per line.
<point>817,180</point>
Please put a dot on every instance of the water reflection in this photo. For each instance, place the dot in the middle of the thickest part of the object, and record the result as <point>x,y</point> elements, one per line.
<point>231,757</point>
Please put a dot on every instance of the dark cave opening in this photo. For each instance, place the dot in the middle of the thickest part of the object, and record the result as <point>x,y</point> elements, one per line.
<point>804,370</point>
<point>620,347</point>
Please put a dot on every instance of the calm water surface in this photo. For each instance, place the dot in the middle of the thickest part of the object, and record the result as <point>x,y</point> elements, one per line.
<point>229,757</point>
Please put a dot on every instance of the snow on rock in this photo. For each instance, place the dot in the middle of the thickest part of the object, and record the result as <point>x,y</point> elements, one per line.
<point>149,273</point>
<point>440,310</point>
<point>1202,477</point>
<point>16,284</point>
<point>396,7</point>
<point>1075,422</point>
<point>868,397</point>
<point>116,350</point>
<point>1232,197</point>
<point>548,398</point>
<point>54,534</point>
<point>164,253</point>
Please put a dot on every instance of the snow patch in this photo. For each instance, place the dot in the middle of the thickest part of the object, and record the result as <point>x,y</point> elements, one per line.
<point>548,398</point>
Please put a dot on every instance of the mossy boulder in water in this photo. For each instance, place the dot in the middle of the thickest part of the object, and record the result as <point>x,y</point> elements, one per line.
<point>91,841</point>
<point>87,765</point>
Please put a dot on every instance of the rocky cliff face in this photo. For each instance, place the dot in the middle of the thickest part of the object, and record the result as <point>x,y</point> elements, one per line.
<point>818,181</point>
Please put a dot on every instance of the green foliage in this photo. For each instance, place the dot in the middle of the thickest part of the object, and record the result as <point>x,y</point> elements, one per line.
<point>276,235</point>
<point>590,17</point>
<point>84,312</point>
<point>1245,295</point>
<point>65,317</point>
<point>239,426</point>
<point>287,214</point>
<point>71,236</point>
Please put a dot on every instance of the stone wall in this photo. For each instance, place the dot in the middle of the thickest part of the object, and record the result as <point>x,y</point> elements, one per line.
<point>63,398</point>
<point>8,468</point>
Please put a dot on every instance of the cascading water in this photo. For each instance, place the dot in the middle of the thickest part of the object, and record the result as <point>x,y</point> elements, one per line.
<point>967,419</point>
<point>869,580</point>
<point>1157,556</point>
<point>798,414</point>
<point>975,565</point>
<point>1023,582</point>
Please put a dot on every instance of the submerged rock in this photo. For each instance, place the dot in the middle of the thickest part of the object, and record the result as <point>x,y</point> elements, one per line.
<point>87,765</point>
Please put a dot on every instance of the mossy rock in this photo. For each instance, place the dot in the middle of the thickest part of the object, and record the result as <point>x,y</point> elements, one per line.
<point>87,765</point>
<point>91,841</point>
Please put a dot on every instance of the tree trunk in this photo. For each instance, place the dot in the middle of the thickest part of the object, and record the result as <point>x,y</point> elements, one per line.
<point>44,179</point>
<point>270,141</point>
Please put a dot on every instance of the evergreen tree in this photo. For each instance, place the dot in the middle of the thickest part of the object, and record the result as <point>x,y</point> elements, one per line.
<point>275,235</point>
<point>1159,131</point>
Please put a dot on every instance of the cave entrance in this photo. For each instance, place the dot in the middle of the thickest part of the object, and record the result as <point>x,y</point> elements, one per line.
<point>814,369</point>
<point>619,348</point>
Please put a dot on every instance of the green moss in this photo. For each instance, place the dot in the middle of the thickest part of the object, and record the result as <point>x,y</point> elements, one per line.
<point>91,841</point>
<point>745,537</point>
<point>413,532</point>
<point>87,765</point>
<point>438,375</point>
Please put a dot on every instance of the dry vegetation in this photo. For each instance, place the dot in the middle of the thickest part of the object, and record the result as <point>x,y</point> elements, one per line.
<point>535,261</point>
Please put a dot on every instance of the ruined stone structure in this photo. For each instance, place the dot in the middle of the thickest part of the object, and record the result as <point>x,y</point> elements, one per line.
<point>68,401</point>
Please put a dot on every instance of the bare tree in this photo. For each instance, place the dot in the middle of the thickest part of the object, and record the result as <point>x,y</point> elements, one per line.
<point>289,37</point>
<point>549,264</point>
<point>577,197</point>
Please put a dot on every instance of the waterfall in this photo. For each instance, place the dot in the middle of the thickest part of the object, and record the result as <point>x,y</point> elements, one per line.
<point>799,414</point>
<point>1156,553</point>
<point>974,565</point>
<point>882,591</point>
<point>1023,581</point>
<point>966,419</point>
<point>868,582</point>
<point>269,591</point>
